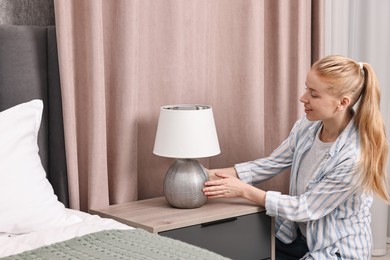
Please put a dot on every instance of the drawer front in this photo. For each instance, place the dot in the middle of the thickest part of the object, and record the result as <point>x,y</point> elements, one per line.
<point>244,237</point>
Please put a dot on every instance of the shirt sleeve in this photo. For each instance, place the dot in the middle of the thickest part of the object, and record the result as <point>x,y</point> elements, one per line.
<point>323,196</point>
<point>281,158</point>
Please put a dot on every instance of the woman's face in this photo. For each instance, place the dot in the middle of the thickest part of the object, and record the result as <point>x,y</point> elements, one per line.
<point>318,103</point>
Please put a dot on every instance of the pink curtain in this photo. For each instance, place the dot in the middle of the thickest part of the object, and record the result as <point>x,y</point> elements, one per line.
<point>120,61</point>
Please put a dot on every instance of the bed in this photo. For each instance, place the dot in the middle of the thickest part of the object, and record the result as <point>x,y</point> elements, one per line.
<point>35,222</point>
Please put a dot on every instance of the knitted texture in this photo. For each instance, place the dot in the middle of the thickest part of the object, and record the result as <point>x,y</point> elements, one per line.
<point>118,244</point>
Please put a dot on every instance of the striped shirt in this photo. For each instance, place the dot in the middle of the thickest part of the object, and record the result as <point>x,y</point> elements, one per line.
<point>336,211</point>
<point>311,159</point>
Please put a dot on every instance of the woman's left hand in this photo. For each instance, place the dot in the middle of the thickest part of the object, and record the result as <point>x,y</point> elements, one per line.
<point>227,186</point>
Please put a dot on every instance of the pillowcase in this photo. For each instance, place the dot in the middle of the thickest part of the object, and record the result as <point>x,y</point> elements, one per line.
<point>27,199</point>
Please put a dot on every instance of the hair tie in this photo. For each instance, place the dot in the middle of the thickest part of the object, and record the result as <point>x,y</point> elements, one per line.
<point>361,64</point>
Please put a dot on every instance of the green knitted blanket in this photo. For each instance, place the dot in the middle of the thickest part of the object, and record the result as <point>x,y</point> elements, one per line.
<point>119,244</point>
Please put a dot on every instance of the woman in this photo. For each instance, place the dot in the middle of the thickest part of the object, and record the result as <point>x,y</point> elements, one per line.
<point>338,160</point>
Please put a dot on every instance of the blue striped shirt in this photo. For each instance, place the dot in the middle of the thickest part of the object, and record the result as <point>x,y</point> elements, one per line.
<point>336,211</point>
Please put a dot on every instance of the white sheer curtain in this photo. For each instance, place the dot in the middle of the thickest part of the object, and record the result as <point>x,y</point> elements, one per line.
<point>360,29</point>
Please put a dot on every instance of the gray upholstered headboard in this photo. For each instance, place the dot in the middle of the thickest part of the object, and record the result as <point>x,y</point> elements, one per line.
<point>29,70</point>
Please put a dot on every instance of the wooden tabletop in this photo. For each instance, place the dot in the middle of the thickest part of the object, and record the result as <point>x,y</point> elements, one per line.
<point>156,215</point>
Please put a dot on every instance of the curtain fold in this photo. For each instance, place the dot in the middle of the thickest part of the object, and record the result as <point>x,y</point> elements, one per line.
<point>120,61</point>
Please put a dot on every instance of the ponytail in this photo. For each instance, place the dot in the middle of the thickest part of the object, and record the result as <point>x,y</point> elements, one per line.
<point>373,142</point>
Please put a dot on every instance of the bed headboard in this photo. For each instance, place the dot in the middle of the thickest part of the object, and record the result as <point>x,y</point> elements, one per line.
<point>29,70</point>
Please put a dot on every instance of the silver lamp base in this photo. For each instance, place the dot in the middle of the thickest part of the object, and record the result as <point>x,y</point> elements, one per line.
<point>183,184</point>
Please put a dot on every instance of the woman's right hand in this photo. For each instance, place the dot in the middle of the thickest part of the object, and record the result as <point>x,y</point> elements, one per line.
<point>229,171</point>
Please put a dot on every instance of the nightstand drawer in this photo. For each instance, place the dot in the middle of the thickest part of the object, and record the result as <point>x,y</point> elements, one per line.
<point>243,237</point>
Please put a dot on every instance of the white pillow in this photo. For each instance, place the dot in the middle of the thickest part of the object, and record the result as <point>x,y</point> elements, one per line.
<point>27,200</point>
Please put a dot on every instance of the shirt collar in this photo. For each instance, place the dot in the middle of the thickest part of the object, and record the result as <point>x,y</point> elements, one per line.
<point>349,130</point>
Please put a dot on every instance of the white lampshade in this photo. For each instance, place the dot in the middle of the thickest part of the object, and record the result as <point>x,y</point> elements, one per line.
<point>186,131</point>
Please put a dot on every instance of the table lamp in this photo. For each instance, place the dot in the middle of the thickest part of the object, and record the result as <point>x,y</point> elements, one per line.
<point>186,132</point>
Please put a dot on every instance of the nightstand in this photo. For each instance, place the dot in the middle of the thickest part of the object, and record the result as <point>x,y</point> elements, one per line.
<point>235,228</point>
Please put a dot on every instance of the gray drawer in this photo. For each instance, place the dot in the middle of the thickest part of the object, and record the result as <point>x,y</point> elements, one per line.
<point>243,237</point>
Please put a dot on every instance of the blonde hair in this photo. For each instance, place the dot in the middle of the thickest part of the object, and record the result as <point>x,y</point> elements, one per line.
<point>347,77</point>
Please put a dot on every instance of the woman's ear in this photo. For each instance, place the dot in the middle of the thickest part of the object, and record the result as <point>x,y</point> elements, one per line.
<point>344,102</point>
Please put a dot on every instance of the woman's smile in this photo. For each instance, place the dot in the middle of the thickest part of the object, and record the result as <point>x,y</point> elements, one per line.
<point>307,110</point>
